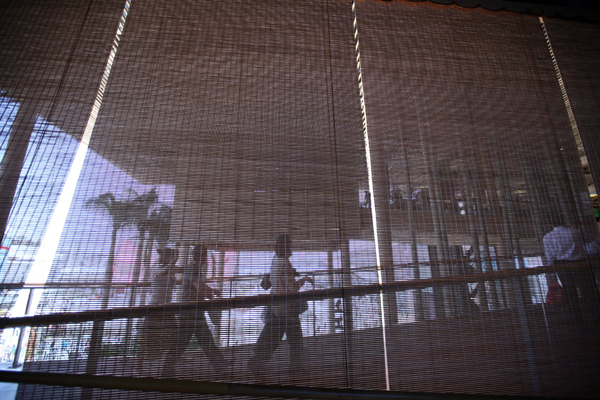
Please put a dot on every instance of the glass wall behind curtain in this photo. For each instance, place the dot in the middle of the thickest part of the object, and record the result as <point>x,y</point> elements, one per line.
<point>466,119</point>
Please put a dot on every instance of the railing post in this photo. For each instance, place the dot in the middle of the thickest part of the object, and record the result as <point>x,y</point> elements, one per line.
<point>15,363</point>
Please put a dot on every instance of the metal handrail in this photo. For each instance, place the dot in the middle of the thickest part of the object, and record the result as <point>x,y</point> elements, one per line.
<point>84,284</point>
<point>267,299</point>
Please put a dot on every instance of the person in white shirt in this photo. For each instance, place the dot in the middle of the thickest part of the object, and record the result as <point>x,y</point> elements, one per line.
<point>565,246</point>
<point>564,243</point>
<point>193,322</point>
<point>156,327</point>
<point>284,316</point>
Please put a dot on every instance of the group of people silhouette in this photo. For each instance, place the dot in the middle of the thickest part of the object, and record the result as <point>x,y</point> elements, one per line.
<point>175,333</point>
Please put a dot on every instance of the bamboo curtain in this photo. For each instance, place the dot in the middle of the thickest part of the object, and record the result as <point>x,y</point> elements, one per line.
<point>415,154</point>
<point>470,126</point>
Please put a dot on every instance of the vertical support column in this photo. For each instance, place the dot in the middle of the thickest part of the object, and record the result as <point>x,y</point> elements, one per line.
<point>487,256</point>
<point>516,245</point>
<point>347,306</point>
<point>507,251</point>
<point>438,291</point>
<point>504,252</point>
<point>381,201</point>
<point>473,210</point>
<point>496,286</point>
<point>419,309</point>
<point>14,157</point>
<point>511,229</point>
<point>515,284</point>
<point>537,215</point>
<point>330,284</point>
<point>219,312</point>
<point>22,329</point>
<point>439,267</point>
<point>440,209</point>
